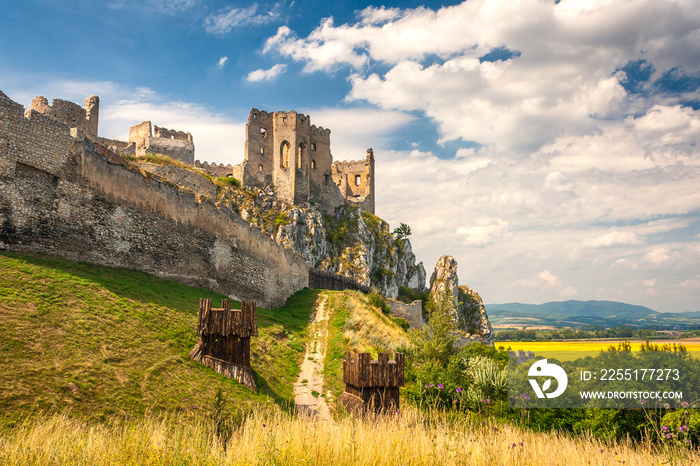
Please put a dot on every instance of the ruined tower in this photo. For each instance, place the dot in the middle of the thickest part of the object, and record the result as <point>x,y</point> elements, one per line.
<point>284,149</point>
<point>84,118</point>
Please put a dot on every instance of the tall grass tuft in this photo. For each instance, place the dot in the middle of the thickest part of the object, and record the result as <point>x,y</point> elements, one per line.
<point>270,436</point>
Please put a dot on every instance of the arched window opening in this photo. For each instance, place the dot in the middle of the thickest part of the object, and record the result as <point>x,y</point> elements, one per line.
<point>358,180</point>
<point>260,168</point>
<point>313,165</point>
<point>284,151</point>
<point>262,150</point>
<point>313,146</point>
<point>263,132</point>
<point>300,155</point>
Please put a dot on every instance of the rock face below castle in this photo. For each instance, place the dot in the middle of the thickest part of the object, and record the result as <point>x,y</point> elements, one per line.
<point>469,313</point>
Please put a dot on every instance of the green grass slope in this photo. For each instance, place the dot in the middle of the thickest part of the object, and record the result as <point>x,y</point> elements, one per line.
<point>100,342</point>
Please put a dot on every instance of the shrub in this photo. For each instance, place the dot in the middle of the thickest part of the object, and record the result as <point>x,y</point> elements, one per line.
<point>377,300</point>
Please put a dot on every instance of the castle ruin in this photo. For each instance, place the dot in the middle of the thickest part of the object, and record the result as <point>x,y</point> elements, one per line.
<point>67,192</point>
<point>284,149</point>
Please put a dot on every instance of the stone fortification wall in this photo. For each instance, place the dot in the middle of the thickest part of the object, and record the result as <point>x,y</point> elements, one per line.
<point>412,313</point>
<point>182,177</point>
<point>84,118</point>
<point>220,170</point>
<point>64,195</point>
<point>150,139</point>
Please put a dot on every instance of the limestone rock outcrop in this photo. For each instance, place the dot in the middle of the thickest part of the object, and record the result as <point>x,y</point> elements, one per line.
<point>469,313</point>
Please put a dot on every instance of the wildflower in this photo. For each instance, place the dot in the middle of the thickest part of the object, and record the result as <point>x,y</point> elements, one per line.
<point>439,386</point>
<point>486,400</point>
<point>601,450</point>
<point>521,444</point>
<point>683,428</point>
<point>516,397</point>
<point>514,445</point>
<point>398,412</point>
<point>264,425</point>
<point>664,428</point>
<point>458,390</point>
<point>454,401</point>
<point>667,406</point>
<point>195,407</point>
<point>643,402</point>
<point>668,436</point>
<point>427,385</point>
<point>685,404</point>
<point>525,396</point>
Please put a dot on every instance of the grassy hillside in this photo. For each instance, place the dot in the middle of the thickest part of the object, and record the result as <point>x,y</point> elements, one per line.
<point>101,342</point>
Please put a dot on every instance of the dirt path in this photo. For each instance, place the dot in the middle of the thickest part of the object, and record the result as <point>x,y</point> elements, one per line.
<point>309,386</point>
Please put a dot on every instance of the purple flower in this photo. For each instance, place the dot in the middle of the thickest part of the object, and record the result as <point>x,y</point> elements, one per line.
<point>427,385</point>
<point>264,425</point>
<point>521,444</point>
<point>601,450</point>
<point>440,386</point>
<point>195,407</point>
<point>398,412</point>
<point>516,397</point>
<point>525,396</point>
<point>458,390</point>
<point>668,436</point>
<point>683,428</point>
<point>685,404</point>
<point>664,428</point>
<point>643,402</point>
<point>486,400</point>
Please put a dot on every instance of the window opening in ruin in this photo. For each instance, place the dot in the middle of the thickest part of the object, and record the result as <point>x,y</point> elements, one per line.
<point>262,150</point>
<point>300,154</point>
<point>284,149</point>
<point>313,146</point>
<point>326,179</point>
<point>358,180</point>
<point>263,132</point>
<point>172,137</point>
<point>260,168</point>
<point>313,165</point>
<point>255,116</point>
<point>284,119</point>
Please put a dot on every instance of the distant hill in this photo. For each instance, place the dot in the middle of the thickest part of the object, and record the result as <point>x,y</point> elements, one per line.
<point>577,313</point>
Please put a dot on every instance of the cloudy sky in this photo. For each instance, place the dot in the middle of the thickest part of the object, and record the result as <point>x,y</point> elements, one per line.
<point>550,146</point>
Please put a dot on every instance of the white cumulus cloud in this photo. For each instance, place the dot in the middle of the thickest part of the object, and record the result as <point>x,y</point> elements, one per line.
<point>266,75</point>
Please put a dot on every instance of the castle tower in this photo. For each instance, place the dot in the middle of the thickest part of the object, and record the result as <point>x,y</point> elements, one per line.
<point>85,118</point>
<point>282,148</point>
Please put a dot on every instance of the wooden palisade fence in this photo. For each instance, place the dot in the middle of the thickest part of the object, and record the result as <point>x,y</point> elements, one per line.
<point>333,281</point>
<point>224,339</point>
<point>372,385</point>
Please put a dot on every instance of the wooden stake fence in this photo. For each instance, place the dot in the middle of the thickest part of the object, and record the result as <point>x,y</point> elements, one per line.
<point>224,339</point>
<point>372,385</point>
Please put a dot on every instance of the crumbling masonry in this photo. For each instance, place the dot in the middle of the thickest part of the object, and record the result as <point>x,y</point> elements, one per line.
<point>284,149</point>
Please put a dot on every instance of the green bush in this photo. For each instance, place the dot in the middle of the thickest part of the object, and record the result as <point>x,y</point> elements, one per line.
<point>377,300</point>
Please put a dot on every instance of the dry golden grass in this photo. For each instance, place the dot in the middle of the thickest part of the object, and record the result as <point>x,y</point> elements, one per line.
<point>272,437</point>
<point>368,330</point>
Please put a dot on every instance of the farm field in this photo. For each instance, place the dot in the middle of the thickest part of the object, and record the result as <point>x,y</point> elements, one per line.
<point>574,349</point>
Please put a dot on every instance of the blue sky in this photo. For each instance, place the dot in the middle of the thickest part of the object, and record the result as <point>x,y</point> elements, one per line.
<point>550,147</point>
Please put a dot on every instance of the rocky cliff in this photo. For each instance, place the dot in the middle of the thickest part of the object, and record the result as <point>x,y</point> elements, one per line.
<point>469,313</point>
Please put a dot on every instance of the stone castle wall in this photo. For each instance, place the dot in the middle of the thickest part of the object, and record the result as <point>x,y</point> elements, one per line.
<point>151,139</point>
<point>84,118</point>
<point>412,313</point>
<point>62,194</point>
